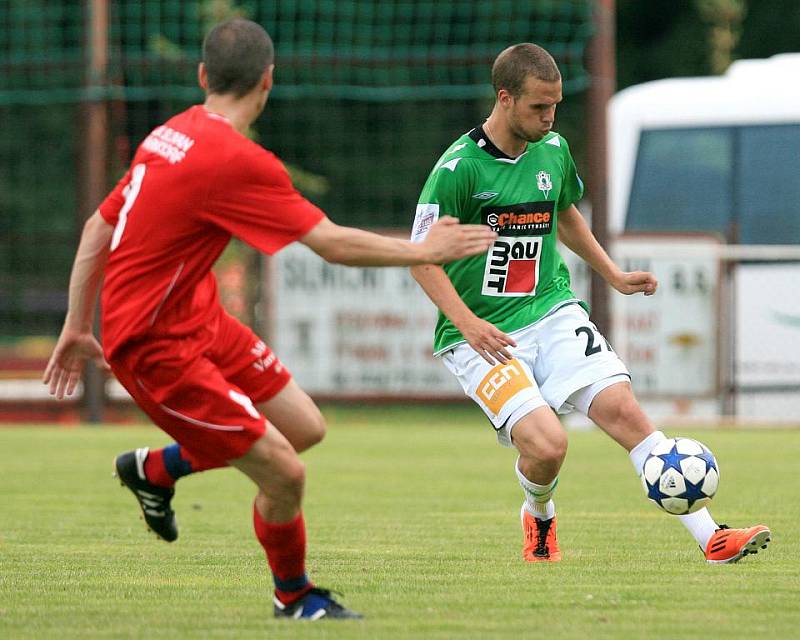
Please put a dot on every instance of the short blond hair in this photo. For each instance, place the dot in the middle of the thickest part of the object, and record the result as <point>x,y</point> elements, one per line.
<point>514,64</point>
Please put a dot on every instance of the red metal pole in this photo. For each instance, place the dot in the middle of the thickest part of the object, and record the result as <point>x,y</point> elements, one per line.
<point>602,69</point>
<point>94,160</point>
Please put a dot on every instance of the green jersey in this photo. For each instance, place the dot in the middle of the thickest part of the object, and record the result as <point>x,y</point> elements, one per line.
<point>522,277</point>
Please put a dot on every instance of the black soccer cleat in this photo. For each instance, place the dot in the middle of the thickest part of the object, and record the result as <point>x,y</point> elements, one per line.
<point>153,500</point>
<point>314,605</point>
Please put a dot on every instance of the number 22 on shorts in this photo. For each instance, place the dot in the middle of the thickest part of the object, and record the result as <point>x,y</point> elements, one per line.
<point>594,340</point>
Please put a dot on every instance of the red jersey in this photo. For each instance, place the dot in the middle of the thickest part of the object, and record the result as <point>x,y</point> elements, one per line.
<point>193,183</point>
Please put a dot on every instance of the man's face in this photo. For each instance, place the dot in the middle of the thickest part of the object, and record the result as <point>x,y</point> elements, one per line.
<point>531,116</point>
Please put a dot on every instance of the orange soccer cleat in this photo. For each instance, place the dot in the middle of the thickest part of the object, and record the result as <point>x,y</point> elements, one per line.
<point>540,543</point>
<point>731,545</point>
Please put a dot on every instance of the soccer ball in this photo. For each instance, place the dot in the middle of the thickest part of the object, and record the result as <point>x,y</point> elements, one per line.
<point>680,475</point>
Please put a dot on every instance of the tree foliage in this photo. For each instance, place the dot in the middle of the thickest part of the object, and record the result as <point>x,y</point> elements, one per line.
<point>669,38</point>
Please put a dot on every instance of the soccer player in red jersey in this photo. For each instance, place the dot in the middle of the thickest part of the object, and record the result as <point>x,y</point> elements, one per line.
<point>200,375</point>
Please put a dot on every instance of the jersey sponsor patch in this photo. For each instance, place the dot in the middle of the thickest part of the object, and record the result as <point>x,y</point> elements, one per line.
<point>512,267</point>
<point>521,219</point>
<point>265,358</point>
<point>501,383</point>
<point>426,215</point>
<point>544,183</point>
<point>168,143</point>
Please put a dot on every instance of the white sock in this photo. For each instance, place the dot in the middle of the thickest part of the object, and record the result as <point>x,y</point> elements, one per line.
<point>546,511</point>
<point>640,452</point>
<point>701,525</point>
<point>538,497</point>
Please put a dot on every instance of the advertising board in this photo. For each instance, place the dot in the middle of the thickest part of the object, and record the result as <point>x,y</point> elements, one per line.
<point>354,331</point>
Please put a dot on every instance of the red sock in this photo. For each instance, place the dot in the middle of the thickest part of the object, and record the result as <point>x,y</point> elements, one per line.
<point>155,471</point>
<point>164,466</point>
<point>285,546</point>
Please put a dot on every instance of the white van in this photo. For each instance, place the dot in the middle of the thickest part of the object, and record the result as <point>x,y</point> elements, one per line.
<point>717,154</point>
<point>704,187</point>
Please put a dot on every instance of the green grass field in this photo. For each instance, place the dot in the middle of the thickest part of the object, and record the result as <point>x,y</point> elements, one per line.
<point>413,514</point>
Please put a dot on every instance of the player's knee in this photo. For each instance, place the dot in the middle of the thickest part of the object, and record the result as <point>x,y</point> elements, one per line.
<point>317,429</point>
<point>554,447</point>
<point>313,432</point>
<point>294,473</point>
<point>549,446</point>
<point>284,484</point>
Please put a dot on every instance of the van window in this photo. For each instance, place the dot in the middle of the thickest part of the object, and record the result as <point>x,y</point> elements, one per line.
<point>740,182</point>
<point>682,181</point>
<point>768,185</point>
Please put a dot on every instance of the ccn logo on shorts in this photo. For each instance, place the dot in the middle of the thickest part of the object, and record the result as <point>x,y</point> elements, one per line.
<point>501,383</point>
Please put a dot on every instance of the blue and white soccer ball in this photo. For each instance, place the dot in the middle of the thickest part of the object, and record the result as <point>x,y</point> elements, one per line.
<point>680,475</point>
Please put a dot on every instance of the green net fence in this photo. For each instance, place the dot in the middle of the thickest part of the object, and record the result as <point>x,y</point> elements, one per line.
<point>356,49</point>
<point>368,93</point>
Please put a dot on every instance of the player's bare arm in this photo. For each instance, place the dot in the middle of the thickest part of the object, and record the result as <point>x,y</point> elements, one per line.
<point>578,237</point>
<point>446,241</point>
<point>486,339</point>
<point>77,343</point>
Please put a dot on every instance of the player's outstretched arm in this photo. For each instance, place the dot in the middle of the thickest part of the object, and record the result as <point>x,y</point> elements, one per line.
<point>486,339</point>
<point>77,343</point>
<point>446,241</point>
<point>578,237</point>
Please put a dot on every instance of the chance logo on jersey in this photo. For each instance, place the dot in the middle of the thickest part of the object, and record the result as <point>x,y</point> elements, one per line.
<point>512,264</point>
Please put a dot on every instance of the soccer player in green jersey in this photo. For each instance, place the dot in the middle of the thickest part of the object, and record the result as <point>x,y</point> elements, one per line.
<point>510,328</point>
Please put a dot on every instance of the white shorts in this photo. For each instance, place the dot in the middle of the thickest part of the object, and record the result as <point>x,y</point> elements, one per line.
<point>562,361</point>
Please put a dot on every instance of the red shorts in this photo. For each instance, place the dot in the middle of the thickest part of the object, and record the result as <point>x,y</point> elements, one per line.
<point>201,389</point>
